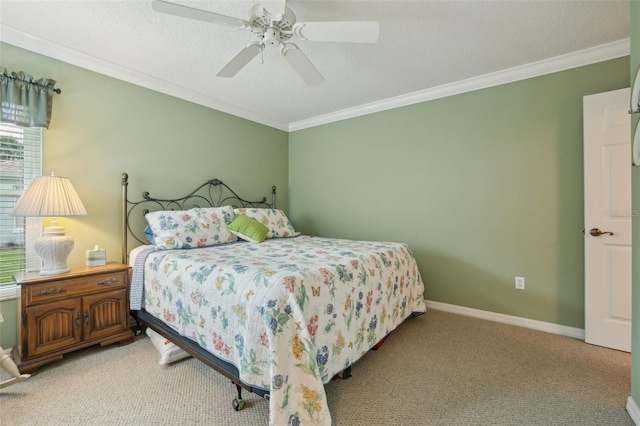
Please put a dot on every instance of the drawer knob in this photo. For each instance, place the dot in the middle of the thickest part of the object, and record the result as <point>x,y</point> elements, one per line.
<point>108,282</point>
<point>52,291</point>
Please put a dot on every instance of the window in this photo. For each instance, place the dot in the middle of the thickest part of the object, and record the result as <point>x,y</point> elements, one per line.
<point>20,162</point>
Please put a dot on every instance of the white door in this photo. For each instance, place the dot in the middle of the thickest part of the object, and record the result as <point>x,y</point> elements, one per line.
<point>607,219</point>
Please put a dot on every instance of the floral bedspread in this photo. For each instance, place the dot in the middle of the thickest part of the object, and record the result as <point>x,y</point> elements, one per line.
<point>289,313</point>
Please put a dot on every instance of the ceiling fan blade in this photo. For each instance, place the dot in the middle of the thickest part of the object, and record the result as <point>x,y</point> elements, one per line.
<point>240,60</point>
<point>198,14</point>
<point>350,32</point>
<point>301,64</point>
<point>274,8</point>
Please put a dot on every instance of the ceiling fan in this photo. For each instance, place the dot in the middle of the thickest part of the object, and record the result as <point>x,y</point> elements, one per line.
<point>275,25</point>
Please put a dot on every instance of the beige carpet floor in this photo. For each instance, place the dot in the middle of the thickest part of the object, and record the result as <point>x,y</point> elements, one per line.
<point>437,369</point>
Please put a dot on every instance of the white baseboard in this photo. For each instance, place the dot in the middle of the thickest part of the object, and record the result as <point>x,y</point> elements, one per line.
<point>563,330</point>
<point>633,410</point>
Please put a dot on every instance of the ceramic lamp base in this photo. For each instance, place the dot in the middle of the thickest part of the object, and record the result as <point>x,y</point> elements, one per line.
<point>54,248</point>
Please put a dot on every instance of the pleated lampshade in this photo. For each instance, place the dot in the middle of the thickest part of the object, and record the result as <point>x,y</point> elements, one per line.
<point>50,196</point>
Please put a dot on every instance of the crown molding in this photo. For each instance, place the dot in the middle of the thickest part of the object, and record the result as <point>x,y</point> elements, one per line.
<point>71,56</point>
<point>580,58</point>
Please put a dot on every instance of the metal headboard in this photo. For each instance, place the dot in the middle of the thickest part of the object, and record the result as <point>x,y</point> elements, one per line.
<point>212,193</point>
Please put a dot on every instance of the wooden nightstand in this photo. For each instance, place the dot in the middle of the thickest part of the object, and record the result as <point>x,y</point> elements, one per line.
<point>58,314</point>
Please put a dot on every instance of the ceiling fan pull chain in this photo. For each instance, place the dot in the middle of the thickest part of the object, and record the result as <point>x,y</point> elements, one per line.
<point>262,56</point>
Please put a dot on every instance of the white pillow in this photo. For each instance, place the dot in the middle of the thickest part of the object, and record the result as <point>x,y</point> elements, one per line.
<point>168,350</point>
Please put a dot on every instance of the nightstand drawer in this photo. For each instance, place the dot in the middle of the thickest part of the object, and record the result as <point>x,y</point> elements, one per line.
<point>74,287</point>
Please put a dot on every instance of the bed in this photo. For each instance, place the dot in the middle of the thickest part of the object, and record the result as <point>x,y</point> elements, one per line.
<point>280,318</point>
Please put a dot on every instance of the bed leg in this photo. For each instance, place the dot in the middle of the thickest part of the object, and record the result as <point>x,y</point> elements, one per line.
<point>238,402</point>
<point>346,373</point>
<point>137,328</point>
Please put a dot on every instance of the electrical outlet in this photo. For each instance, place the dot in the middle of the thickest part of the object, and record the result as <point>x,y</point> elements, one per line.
<point>520,283</point>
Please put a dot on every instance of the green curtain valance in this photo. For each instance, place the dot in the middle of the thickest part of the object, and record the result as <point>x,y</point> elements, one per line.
<point>26,102</point>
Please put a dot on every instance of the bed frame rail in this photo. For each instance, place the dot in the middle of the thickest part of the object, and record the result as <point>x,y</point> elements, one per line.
<point>228,370</point>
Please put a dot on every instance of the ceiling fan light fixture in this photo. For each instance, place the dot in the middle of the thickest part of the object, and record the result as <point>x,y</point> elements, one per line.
<point>271,37</point>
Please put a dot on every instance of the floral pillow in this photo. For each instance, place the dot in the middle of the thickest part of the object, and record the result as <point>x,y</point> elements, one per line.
<point>274,219</point>
<point>197,227</point>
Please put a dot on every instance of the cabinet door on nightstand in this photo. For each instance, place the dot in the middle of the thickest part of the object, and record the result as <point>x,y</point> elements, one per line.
<point>105,314</point>
<point>53,326</point>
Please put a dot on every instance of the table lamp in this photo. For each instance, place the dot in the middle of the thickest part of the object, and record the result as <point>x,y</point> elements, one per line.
<point>51,196</point>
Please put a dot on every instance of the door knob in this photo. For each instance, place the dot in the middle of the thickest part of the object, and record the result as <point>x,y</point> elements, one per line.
<point>596,232</point>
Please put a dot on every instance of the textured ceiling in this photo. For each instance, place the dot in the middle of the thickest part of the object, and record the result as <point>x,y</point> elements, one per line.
<point>422,45</point>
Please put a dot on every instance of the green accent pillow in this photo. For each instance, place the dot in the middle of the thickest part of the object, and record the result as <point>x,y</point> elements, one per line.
<point>248,229</point>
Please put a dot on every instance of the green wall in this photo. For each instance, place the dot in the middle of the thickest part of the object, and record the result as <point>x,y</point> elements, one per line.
<point>102,127</point>
<point>635,176</point>
<point>483,186</point>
